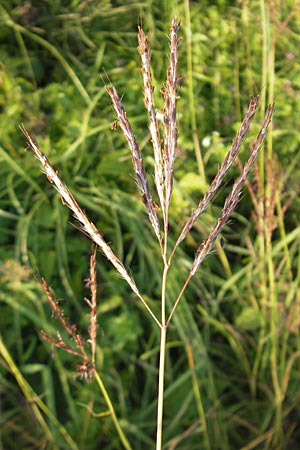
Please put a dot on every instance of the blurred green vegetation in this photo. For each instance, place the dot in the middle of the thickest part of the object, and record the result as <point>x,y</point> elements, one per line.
<point>234,343</point>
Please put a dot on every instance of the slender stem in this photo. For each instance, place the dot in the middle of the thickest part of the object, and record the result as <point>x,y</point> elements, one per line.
<point>163,336</point>
<point>192,108</point>
<point>179,297</point>
<point>274,321</point>
<point>120,432</point>
<point>160,404</point>
<point>148,309</point>
<point>166,269</point>
<point>264,70</point>
<point>197,394</point>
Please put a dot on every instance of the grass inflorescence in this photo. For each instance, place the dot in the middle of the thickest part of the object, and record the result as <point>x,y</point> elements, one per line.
<point>164,141</point>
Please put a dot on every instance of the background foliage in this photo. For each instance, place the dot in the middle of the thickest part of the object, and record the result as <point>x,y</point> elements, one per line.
<point>233,354</point>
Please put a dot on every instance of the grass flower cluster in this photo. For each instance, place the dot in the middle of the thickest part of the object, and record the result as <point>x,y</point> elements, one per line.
<point>164,142</point>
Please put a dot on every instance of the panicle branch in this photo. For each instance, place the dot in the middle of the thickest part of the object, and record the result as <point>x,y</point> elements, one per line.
<point>208,196</point>
<point>229,205</point>
<point>169,110</point>
<point>144,50</point>
<point>58,312</point>
<point>68,199</point>
<point>88,227</point>
<point>85,368</point>
<point>233,198</point>
<point>137,161</point>
<point>92,283</point>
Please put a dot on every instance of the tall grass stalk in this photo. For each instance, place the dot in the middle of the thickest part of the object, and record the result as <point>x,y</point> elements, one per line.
<point>268,182</point>
<point>164,141</point>
<point>189,58</point>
